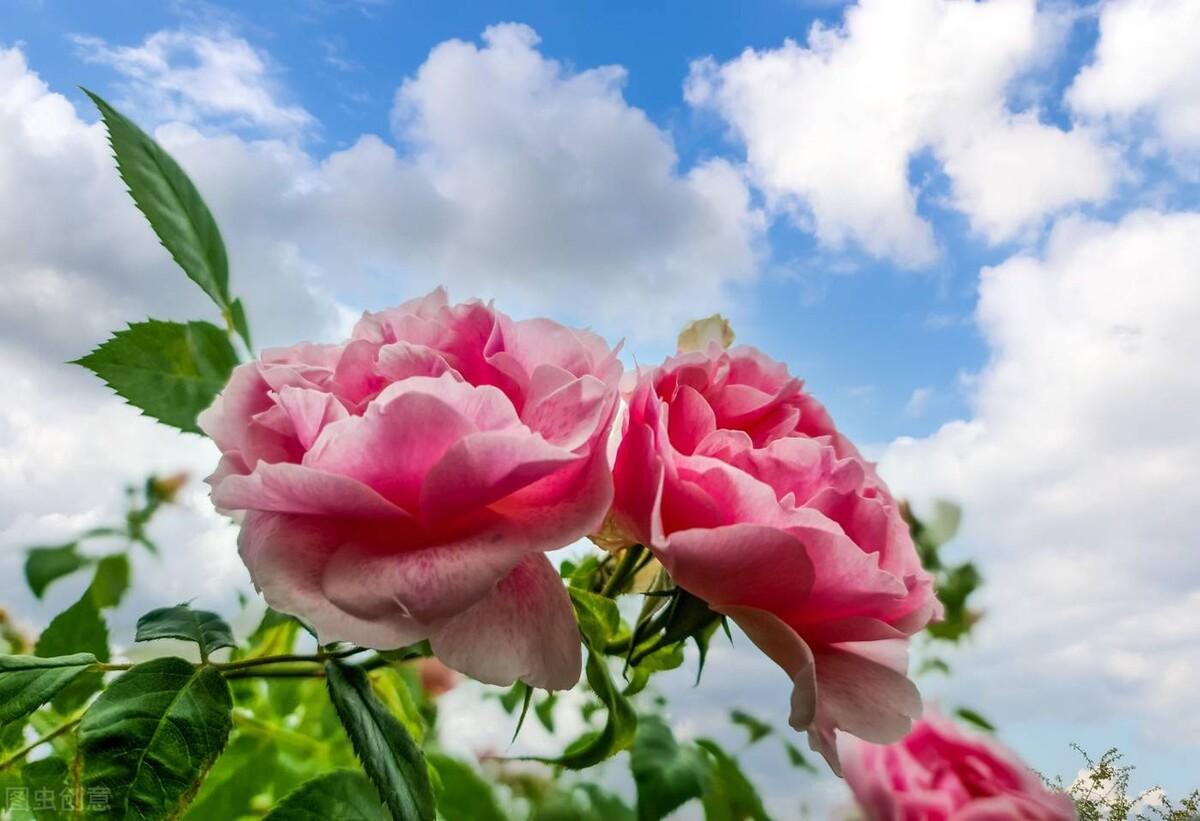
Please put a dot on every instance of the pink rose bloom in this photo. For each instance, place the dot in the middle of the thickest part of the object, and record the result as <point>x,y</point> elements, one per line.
<point>404,485</point>
<point>941,772</point>
<point>740,484</point>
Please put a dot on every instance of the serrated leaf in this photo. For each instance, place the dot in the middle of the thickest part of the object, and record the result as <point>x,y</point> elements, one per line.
<point>391,687</point>
<point>152,735</point>
<point>110,580</point>
<point>344,795</point>
<point>28,682</point>
<point>599,619</point>
<point>169,370</point>
<point>464,794</point>
<point>78,629</point>
<point>730,796</point>
<point>182,622</point>
<point>971,717</point>
<point>170,202</point>
<point>667,775</point>
<point>392,761</point>
<point>44,565</point>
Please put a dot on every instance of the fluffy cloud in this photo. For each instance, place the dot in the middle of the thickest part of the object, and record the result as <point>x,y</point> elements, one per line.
<point>831,127</point>
<point>1146,64</point>
<point>192,76</point>
<point>1080,476</point>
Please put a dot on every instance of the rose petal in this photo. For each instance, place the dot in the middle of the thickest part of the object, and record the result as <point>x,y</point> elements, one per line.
<point>310,411</point>
<point>288,488</point>
<point>524,631</point>
<point>787,649</point>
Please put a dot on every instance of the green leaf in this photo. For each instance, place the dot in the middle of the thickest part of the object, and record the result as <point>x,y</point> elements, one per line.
<point>78,629</point>
<point>797,758</point>
<point>170,202</point>
<point>947,517</point>
<point>599,619</point>
<point>182,622</point>
<point>971,717</point>
<point>388,754</point>
<point>619,728</point>
<point>344,795</point>
<point>391,687</point>
<point>583,802</point>
<point>544,710</point>
<point>754,727</point>
<point>110,581</point>
<point>237,318</point>
<point>47,785</point>
<point>667,775</point>
<point>152,735</point>
<point>169,370</point>
<point>28,682</point>
<point>45,564</point>
<point>730,796</point>
<point>464,794</point>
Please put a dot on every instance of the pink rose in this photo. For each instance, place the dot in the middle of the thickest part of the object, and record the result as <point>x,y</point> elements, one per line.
<point>940,772</point>
<point>405,484</point>
<point>740,484</point>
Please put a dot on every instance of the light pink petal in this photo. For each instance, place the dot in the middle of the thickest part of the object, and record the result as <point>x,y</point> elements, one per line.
<point>288,488</point>
<point>373,576</point>
<point>787,649</point>
<point>862,697</point>
<point>486,406</point>
<point>287,555</point>
<point>356,378</point>
<point>401,360</point>
<point>392,446</point>
<point>638,478</point>
<point>740,564</point>
<point>524,631</point>
<point>310,411</point>
<point>482,468</point>
<point>568,417</point>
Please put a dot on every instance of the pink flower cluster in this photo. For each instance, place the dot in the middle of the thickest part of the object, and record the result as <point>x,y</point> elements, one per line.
<point>405,485</point>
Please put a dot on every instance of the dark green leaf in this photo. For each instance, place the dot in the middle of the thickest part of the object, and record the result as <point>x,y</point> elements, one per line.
<point>170,202</point>
<point>48,789</point>
<point>110,581</point>
<point>583,802</point>
<point>730,796</point>
<point>388,754</point>
<point>464,794</point>
<point>78,629</point>
<point>667,775</point>
<point>344,795</point>
<point>525,701</point>
<point>152,735</point>
<point>971,717</point>
<point>28,682</point>
<point>182,622</point>
<point>169,370</point>
<point>45,564</point>
<point>544,710</point>
<point>755,728</point>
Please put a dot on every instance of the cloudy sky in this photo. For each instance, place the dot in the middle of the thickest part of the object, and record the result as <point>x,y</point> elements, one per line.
<point>972,227</point>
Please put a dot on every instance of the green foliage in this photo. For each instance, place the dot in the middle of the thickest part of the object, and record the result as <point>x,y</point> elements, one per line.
<point>110,581</point>
<point>342,794</point>
<point>463,794</point>
<point>78,629</point>
<point>46,564</point>
<point>954,583</point>
<point>28,682</point>
<point>181,622</point>
<point>731,796</point>
<point>667,774</point>
<point>49,778</point>
<point>151,737</point>
<point>1102,794</point>
<point>971,717</point>
<point>756,729</point>
<point>175,210</point>
<point>389,756</point>
<point>583,802</point>
<point>169,370</point>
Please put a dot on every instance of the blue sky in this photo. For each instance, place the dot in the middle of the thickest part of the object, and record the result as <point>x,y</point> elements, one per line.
<point>972,228</point>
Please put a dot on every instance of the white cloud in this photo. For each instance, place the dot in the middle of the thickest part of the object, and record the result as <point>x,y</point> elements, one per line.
<point>1146,63</point>
<point>831,126</point>
<point>918,402</point>
<point>1080,477</point>
<point>189,76</point>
